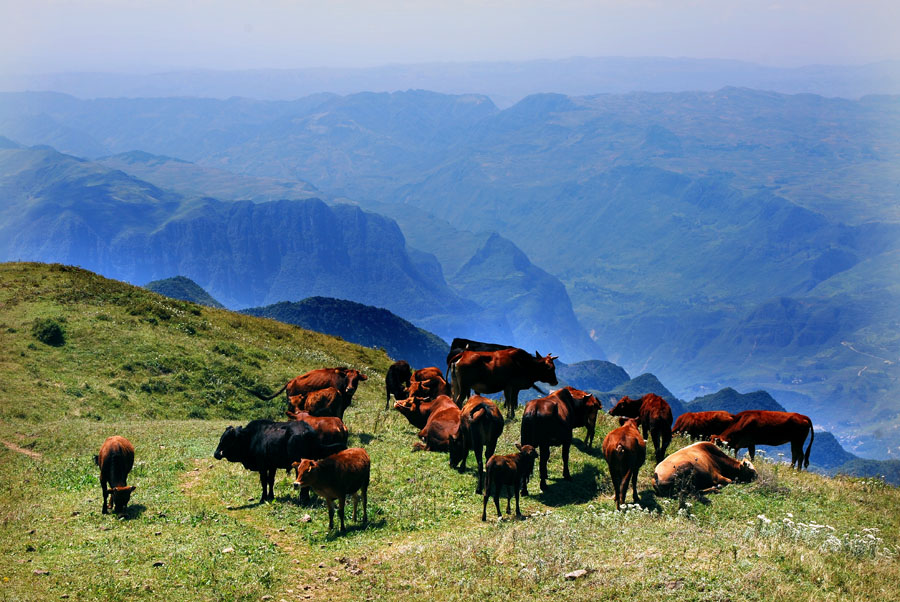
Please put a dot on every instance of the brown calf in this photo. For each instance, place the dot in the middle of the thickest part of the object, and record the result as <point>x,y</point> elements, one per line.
<point>480,425</point>
<point>442,426</point>
<point>653,414</point>
<point>625,452</point>
<point>428,383</point>
<point>396,382</point>
<point>512,471</point>
<point>115,460</point>
<point>335,477</point>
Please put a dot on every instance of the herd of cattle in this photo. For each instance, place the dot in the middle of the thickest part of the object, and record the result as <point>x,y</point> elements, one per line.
<point>314,442</point>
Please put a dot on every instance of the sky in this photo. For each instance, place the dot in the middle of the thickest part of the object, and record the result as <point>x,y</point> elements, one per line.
<point>139,36</point>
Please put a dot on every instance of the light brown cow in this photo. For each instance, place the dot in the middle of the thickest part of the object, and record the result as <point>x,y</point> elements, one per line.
<point>324,402</point>
<point>335,477</point>
<point>511,471</point>
<point>702,425</point>
<point>702,468</point>
<point>763,427</point>
<point>507,370</point>
<point>428,383</point>
<point>480,426</point>
<point>418,409</point>
<point>115,460</point>
<point>653,414</point>
<point>625,452</point>
<point>345,380</point>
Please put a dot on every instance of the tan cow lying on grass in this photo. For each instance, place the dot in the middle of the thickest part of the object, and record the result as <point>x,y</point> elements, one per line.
<point>701,468</point>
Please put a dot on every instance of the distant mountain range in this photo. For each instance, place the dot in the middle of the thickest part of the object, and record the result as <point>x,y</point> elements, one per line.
<point>179,287</point>
<point>738,237</point>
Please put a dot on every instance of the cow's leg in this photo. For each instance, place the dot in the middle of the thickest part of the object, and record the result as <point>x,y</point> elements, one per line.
<point>271,479</point>
<point>342,501</point>
<point>797,454</point>
<point>105,494</point>
<point>752,450</point>
<point>509,498</point>
<point>262,483</point>
<point>657,443</point>
<point>478,449</point>
<point>484,505</point>
<point>497,499</point>
<point>565,458</point>
<point>616,479</point>
<point>518,513</point>
<point>355,503</point>
<point>589,437</point>
<point>512,400</point>
<point>545,456</point>
<point>634,478</point>
<point>304,496</point>
<point>387,403</point>
<point>365,498</point>
<point>330,503</point>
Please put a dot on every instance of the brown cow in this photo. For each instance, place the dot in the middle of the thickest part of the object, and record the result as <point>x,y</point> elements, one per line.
<point>331,434</point>
<point>653,414</point>
<point>428,383</point>
<point>442,426</point>
<point>417,409</point>
<point>335,477</point>
<point>480,426</point>
<point>764,427</point>
<point>625,452</point>
<point>701,467</point>
<point>396,382</point>
<point>115,460</point>
<point>324,402</point>
<point>512,471</point>
<point>702,425</point>
<point>346,380</point>
<point>549,421</point>
<point>507,370</point>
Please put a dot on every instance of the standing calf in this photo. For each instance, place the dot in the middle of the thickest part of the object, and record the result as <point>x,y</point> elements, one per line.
<point>625,452</point>
<point>115,461</point>
<point>513,471</point>
<point>335,477</point>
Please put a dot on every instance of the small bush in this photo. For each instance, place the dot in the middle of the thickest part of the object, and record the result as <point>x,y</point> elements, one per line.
<point>49,331</point>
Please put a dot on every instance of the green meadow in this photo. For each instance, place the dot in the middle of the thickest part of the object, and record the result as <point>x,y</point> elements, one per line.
<point>170,377</point>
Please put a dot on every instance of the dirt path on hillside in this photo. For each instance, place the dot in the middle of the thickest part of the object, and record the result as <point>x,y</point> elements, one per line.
<point>30,453</point>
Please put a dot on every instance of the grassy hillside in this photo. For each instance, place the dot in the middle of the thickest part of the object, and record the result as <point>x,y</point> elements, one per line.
<point>194,530</point>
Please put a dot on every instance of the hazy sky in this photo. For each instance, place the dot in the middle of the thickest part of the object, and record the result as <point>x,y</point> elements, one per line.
<point>150,35</point>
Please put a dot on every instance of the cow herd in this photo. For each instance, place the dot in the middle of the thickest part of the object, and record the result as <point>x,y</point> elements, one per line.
<point>450,419</point>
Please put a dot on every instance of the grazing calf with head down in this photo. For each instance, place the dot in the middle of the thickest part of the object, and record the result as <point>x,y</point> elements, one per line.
<point>115,460</point>
<point>511,471</point>
<point>335,477</point>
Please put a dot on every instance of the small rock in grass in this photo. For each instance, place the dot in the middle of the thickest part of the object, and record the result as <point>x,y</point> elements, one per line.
<point>576,574</point>
<point>266,597</point>
<point>40,572</point>
<point>305,518</point>
<point>228,550</point>
<point>158,533</point>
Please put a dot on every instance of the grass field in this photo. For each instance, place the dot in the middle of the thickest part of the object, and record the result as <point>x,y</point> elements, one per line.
<point>194,529</point>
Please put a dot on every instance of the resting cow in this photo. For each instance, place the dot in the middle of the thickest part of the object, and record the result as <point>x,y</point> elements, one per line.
<point>418,409</point>
<point>702,468</point>
<point>396,382</point>
<point>625,452</point>
<point>265,446</point>
<point>763,427</point>
<point>549,421</point>
<point>507,370</point>
<point>480,426</point>
<point>702,425</point>
<point>511,471</point>
<point>115,460</point>
<point>345,380</point>
<point>428,383</point>
<point>324,402</point>
<point>441,427</point>
<point>653,414</point>
<point>335,477</point>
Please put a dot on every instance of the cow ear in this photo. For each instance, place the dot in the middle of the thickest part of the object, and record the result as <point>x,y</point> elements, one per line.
<point>132,488</point>
<point>519,446</point>
<point>537,355</point>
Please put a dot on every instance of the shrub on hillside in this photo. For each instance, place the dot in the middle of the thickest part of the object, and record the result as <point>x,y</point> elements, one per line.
<point>49,331</point>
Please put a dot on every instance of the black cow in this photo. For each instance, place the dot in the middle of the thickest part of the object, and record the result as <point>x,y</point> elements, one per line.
<point>265,446</point>
<point>398,375</point>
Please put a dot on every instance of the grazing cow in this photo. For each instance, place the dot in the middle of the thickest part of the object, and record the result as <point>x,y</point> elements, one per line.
<point>480,425</point>
<point>265,446</point>
<point>115,461</point>
<point>701,467</point>
<point>507,370</point>
<point>324,402</point>
<point>763,427</point>
<point>625,452</point>
<point>549,421</point>
<point>442,426</point>
<point>335,477</point>
<point>418,409</point>
<point>428,383</point>
<point>513,472</point>
<point>345,380</point>
<point>653,414</point>
<point>396,381</point>
<point>702,425</point>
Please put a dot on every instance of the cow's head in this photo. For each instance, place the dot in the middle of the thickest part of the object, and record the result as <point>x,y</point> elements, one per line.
<point>546,368</point>
<point>718,440</point>
<point>354,377</point>
<point>623,420</point>
<point>746,472</point>
<point>229,445</point>
<point>306,472</point>
<point>405,406</point>
<point>120,497</point>
<point>626,407</point>
<point>527,455</point>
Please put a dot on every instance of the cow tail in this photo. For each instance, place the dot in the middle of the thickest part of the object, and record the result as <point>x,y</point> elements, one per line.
<point>272,396</point>
<point>812,435</point>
